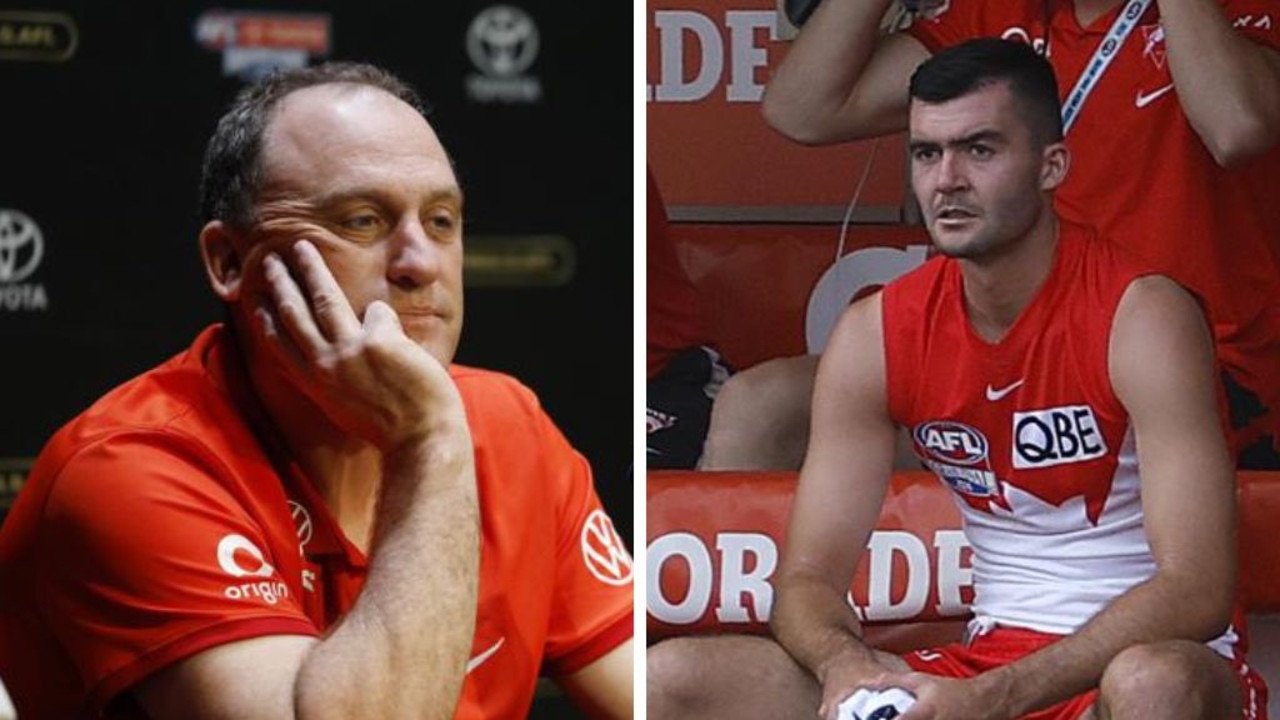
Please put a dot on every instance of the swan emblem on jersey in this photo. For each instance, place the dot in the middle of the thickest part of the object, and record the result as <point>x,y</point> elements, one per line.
<point>1153,44</point>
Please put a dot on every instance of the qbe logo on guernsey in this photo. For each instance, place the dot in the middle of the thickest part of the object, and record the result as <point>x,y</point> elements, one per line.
<point>21,250</point>
<point>1056,436</point>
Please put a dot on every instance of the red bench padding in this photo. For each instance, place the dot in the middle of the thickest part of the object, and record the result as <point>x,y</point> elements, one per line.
<point>714,540</point>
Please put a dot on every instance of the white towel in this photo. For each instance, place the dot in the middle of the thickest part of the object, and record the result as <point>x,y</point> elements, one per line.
<point>872,705</point>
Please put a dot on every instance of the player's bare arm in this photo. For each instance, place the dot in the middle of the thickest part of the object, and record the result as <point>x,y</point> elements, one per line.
<point>1161,365</point>
<point>841,79</point>
<point>1229,86</point>
<point>393,655</point>
<point>604,689</point>
<point>842,486</point>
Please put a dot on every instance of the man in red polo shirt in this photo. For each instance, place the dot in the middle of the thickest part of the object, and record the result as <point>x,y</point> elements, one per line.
<point>1173,133</point>
<point>312,512</point>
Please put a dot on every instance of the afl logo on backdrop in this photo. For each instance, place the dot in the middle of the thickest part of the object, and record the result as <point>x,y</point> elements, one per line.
<point>37,36</point>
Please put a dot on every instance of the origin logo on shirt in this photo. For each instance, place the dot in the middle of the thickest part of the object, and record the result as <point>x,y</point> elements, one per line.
<point>240,558</point>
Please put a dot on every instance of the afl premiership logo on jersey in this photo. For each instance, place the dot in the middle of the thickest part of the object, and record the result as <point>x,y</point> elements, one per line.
<point>954,451</point>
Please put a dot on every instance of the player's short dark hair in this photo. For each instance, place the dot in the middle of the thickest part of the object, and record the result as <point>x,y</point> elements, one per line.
<point>232,172</point>
<point>975,64</point>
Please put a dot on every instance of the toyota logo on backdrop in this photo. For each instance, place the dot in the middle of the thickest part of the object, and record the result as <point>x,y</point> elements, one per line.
<point>21,250</point>
<point>503,43</point>
<point>21,246</point>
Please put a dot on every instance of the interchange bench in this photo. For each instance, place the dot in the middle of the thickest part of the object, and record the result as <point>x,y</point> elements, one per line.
<point>714,540</point>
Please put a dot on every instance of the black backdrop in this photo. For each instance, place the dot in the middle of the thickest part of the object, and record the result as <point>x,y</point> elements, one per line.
<point>101,153</point>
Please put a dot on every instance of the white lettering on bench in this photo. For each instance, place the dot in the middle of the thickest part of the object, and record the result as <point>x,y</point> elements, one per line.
<point>880,605</point>
<point>746,562</point>
<point>952,575</point>
<point>694,605</point>
<point>738,583</point>
<point>675,27</point>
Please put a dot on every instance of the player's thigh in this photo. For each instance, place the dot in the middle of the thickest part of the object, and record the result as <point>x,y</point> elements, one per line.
<point>738,676</point>
<point>723,673</point>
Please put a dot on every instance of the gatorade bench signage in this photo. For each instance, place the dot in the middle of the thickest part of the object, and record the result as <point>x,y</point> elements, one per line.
<point>715,540</point>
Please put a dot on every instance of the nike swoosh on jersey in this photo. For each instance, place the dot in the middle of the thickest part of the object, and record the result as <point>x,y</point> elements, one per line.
<point>1144,99</point>
<point>994,395</point>
<point>478,660</point>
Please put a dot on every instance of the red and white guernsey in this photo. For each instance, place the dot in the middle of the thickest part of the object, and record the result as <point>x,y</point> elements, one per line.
<point>1028,434</point>
<point>1142,176</point>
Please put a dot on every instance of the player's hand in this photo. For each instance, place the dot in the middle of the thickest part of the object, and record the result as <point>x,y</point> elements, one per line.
<point>941,698</point>
<point>366,375</point>
<point>842,677</point>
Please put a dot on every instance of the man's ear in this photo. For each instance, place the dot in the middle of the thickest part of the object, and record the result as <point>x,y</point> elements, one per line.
<point>220,250</point>
<point>1054,167</point>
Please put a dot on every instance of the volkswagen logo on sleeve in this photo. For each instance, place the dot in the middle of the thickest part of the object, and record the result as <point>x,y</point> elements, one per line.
<point>21,250</point>
<point>603,551</point>
<point>503,43</point>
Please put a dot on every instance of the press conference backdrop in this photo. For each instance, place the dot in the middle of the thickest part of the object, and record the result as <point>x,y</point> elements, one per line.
<point>106,108</point>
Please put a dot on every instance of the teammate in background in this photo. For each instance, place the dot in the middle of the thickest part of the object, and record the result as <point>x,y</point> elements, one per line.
<point>684,370</point>
<point>1175,156</point>
<point>1066,394</point>
<point>312,512</point>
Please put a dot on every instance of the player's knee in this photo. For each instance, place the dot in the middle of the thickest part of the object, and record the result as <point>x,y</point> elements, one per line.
<point>775,388</point>
<point>740,400</point>
<point>673,669</point>
<point>759,420</point>
<point>1165,675</point>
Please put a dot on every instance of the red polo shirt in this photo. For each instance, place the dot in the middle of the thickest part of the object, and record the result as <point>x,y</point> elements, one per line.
<point>159,523</point>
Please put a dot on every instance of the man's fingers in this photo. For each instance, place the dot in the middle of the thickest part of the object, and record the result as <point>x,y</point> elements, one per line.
<point>379,315</point>
<point>333,314</point>
<point>277,342</point>
<point>291,307</point>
